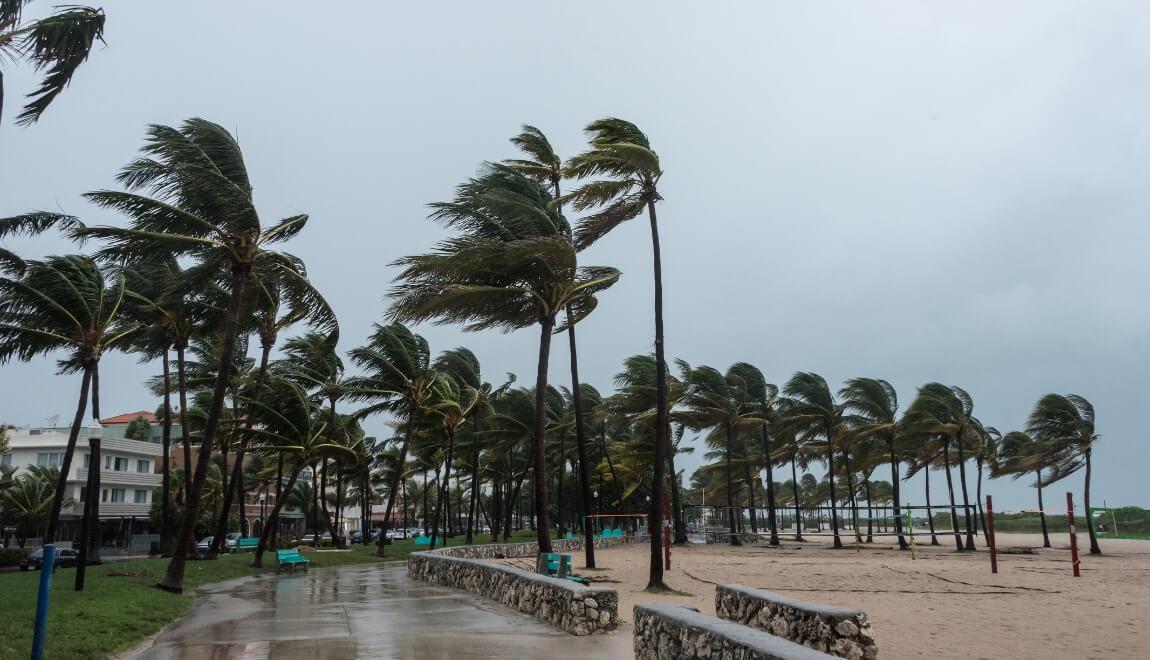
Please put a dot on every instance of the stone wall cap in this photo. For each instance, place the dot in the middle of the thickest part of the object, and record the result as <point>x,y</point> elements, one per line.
<point>763,594</point>
<point>758,640</point>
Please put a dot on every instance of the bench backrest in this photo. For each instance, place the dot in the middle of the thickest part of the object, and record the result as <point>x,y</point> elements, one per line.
<point>282,555</point>
<point>423,540</point>
<point>249,542</point>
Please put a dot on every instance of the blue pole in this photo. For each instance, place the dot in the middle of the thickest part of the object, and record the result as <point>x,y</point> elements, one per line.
<point>40,630</point>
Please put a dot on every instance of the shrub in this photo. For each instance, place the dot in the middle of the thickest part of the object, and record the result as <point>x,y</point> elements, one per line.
<point>10,556</point>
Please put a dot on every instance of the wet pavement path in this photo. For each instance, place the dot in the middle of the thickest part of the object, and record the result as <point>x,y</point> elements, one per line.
<point>363,612</point>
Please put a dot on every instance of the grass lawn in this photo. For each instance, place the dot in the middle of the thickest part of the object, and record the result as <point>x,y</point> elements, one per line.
<point>119,606</point>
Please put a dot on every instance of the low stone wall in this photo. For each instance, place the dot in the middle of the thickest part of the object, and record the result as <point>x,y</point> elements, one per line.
<point>839,631</point>
<point>575,608</point>
<point>674,631</point>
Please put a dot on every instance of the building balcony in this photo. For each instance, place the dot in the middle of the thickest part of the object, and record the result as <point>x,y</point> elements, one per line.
<point>111,510</point>
<point>144,479</point>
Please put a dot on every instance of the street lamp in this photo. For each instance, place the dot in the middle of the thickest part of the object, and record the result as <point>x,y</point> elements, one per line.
<point>90,522</point>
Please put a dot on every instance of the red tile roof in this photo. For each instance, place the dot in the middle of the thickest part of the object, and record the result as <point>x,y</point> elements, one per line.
<point>127,418</point>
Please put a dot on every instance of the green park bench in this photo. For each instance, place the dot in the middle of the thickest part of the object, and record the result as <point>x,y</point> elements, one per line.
<point>553,564</point>
<point>423,540</point>
<point>248,543</point>
<point>290,558</point>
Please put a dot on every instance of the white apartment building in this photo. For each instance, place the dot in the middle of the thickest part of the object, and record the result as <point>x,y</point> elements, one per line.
<point>128,475</point>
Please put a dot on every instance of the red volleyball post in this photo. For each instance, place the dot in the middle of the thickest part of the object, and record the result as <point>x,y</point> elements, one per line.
<point>990,535</point>
<point>1073,534</point>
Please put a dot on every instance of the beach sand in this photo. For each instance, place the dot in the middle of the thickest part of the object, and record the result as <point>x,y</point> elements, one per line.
<point>942,605</point>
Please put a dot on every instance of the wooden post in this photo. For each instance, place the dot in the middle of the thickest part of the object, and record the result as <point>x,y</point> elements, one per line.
<point>1073,534</point>
<point>990,535</point>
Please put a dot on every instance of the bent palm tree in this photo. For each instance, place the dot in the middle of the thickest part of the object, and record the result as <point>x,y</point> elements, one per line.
<point>622,154</point>
<point>1064,426</point>
<point>64,304</point>
<point>510,266</point>
<point>55,45</point>
<point>764,396</point>
<point>811,410</point>
<point>873,407</point>
<point>202,208</point>
<point>1018,455</point>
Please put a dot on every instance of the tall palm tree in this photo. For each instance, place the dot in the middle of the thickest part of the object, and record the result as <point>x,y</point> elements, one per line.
<point>399,380</point>
<point>1064,426</point>
<point>64,304</point>
<point>949,411</point>
<point>872,404</point>
<point>202,207</point>
<point>55,45</point>
<point>810,409</point>
<point>622,154</point>
<point>452,403</point>
<point>764,396</point>
<point>722,405</point>
<point>544,166</point>
<point>791,447</point>
<point>1018,454</point>
<point>510,266</point>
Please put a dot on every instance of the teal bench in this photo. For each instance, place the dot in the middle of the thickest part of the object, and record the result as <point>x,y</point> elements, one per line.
<point>290,558</point>
<point>423,540</point>
<point>554,564</point>
<point>248,543</point>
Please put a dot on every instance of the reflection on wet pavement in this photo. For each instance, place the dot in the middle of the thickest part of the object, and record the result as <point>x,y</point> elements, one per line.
<point>365,612</point>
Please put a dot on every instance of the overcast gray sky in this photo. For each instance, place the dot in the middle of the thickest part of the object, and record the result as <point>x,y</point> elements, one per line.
<point>913,191</point>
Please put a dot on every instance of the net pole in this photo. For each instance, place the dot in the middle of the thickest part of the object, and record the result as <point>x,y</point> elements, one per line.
<point>990,535</point>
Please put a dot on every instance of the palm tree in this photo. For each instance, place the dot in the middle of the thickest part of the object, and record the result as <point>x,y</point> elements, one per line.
<point>288,420</point>
<point>811,410</point>
<point>622,154</point>
<point>510,266</point>
<point>1018,454</point>
<point>872,404</point>
<point>764,395</point>
<point>1064,427</point>
<point>723,405</point>
<point>29,500</point>
<point>201,207</point>
<point>64,303</point>
<point>791,447</point>
<point>280,297</point>
<point>544,166</point>
<point>452,404</point>
<point>399,380</point>
<point>55,45</point>
<point>948,411</point>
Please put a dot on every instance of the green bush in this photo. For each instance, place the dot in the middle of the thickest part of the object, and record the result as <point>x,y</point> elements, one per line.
<point>10,556</point>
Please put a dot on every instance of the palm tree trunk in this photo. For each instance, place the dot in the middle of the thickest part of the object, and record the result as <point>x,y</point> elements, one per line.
<point>680,526</point>
<point>950,491</point>
<point>965,496</point>
<point>930,511</point>
<point>662,416</point>
<point>852,501</point>
<point>423,513</point>
<point>894,480</point>
<point>733,533</point>
<point>166,470</point>
<point>496,518</point>
<point>66,465</point>
<point>185,432</point>
<point>1095,549</point>
<point>771,522</point>
<point>474,480</point>
<point>393,489</point>
<point>869,511</point>
<point>444,492</point>
<point>231,487</point>
<point>273,521</point>
<point>798,502</point>
<point>559,487</point>
<point>750,477</point>
<point>611,466</point>
<point>173,579</point>
<point>1042,513</point>
<point>838,542</point>
<point>978,506</point>
<point>437,510</point>
<point>338,504</point>
<point>513,499</point>
<point>581,447</point>
<point>538,458</point>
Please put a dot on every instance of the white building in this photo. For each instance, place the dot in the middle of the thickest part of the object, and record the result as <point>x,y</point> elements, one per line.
<point>129,474</point>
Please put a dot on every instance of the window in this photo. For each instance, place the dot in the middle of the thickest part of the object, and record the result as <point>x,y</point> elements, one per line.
<point>83,493</point>
<point>116,463</point>
<point>107,462</point>
<point>143,466</point>
<point>104,495</point>
<point>117,495</point>
<point>33,431</point>
<point>49,459</point>
<point>87,460</point>
<point>141,497</point>
<point>6,459</point>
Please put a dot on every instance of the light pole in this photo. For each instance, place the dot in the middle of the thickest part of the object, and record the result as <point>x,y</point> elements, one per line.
<point>90,522</point>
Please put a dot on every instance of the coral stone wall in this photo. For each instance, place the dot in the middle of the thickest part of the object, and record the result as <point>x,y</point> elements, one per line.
<point>674,631</point>
<point>577,609</point>
<point>839,631</point>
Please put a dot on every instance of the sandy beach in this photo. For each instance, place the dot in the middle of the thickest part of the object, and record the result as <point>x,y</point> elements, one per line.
<point>942,605</point>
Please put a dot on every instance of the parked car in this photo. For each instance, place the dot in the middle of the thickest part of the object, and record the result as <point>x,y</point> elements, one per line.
<point>374,533</point>
<point>205,544</point>
<point>65,558</point>
<point>310,539</point>
<point>234,540</point>
<point>357,536</point>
